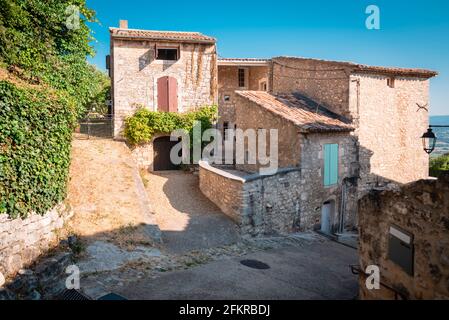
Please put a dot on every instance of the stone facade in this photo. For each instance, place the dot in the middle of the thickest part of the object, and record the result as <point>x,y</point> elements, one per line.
<point>422,210</point>
<point>261,205</point>
<point>249,115</point>
<point>292,199</point>
<point>313,191</point>
<point>228,83</point>
<point>387,120</point>
<point>389,127</point>
<point>135,72</point>
<point>22,241</point>
<point>325,82</point>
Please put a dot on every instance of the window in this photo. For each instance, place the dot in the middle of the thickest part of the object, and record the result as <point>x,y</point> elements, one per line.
<point>390,82</point>
<point>242,78</point>
<point>263,86</point>
<point>227,98</point>
<point>167,54</point>
<point>330,164</point>
<point>225,129</point>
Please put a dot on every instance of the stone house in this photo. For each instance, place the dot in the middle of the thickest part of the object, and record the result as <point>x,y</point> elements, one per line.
<point>344,128</point>
<point>162,71</point>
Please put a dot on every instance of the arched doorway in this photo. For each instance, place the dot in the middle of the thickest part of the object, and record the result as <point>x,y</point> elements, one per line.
<point>327,216</point>
<point>161,154</point>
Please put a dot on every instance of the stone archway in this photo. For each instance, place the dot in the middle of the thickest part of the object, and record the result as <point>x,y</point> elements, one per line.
<point>161,154</point>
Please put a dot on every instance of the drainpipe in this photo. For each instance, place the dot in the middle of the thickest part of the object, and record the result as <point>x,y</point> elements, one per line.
<point>342,207</point>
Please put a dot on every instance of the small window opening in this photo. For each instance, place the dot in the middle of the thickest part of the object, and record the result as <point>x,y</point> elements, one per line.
<point>263,86</point>
<point>241,78</point>
<point>167,54</point>
<point>390,82</point>
<point>227,98</point>
<point>225,129</point>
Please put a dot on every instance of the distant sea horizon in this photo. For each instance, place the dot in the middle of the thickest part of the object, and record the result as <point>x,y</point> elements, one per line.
<point>442,134</point>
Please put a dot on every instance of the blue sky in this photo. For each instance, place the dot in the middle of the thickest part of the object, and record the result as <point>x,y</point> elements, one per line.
<point>412,33</point>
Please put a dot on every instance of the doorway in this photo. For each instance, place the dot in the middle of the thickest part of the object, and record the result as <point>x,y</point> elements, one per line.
<point>327,214</point>
<point>161,159</point>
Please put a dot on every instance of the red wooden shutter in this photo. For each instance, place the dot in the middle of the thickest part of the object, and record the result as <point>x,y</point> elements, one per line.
<point>172,95</point>
<point>162,94</point>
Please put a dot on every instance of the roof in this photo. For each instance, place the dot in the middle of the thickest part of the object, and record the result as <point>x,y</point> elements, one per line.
<point>300,111</point>
<point>177,36</point>
<point>242,61</point>
<point>356,67</point>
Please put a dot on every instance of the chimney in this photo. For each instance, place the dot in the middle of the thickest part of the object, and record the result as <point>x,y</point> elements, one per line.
<point>123,24</point>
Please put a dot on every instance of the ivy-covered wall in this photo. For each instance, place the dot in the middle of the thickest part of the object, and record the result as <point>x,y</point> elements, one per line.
<point>144,124</point>
<point>35,134</point>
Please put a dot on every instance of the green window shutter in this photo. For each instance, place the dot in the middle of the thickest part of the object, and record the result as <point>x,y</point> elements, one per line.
<point>330,164</point>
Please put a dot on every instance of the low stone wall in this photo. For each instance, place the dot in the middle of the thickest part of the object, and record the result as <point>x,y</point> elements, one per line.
<point>223,189</point>
<point>271,204</point>
<point>420,209</point>
<point>22,241</point>
<point>260,204</point>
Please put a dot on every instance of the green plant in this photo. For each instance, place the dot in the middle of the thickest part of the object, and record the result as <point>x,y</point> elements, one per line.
<point>141,127</point>
<point>36,42</point>
<point>35,134</point>
<point>439,165</point>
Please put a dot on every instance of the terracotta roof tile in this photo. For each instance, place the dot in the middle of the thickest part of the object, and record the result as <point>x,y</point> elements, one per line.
<point>243,59</point>
<point>299,111</point>
<point>179,36</point>
<point>356,67</point>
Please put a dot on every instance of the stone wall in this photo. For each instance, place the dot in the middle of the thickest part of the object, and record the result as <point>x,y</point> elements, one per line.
<point>228,83</point>
<point>389,127</point>
<point>314,193</point>
<point>271,204</point>
<point>261,205</point>
<point>143,154</point>
<point>135,72</point>
<point>249,115</point>
<point>388,122</point>
<point>324,81</point>
<point>22,241</point>
<point>421,209</point>
<point>285,202</point>
<point>223,188</point>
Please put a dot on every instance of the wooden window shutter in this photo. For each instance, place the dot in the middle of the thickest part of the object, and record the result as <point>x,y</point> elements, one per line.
<point>162,94</point>
<point>167,94</point>
<point>172,95</point>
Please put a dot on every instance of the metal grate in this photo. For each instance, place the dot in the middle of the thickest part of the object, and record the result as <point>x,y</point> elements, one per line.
<point>255,264</point>
<point>72,294</point>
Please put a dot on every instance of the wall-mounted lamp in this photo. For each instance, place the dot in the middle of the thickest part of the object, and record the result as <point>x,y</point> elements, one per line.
<point>429,139</point>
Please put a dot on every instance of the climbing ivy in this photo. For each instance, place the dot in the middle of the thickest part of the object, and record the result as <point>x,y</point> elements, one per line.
<point>38,42</point>
<point>141,127</point>
<point>35,134</point>
<point>43,49</point>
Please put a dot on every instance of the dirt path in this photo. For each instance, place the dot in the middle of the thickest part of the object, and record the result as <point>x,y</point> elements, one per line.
<point>105,194</point>
<point>187,219</point>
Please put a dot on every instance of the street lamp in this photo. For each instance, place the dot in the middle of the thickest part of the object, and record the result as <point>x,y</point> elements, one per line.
<point>429,139</point>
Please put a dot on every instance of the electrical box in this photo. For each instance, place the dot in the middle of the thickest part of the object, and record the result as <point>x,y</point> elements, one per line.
<point>401,249</point>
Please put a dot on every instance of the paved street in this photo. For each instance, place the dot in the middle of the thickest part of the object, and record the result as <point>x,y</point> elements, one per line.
<point>318,270</point>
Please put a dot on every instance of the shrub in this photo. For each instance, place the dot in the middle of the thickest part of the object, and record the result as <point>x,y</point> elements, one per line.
<point>35,135</point>
<point>439,165</point>
<point>141,127</point>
